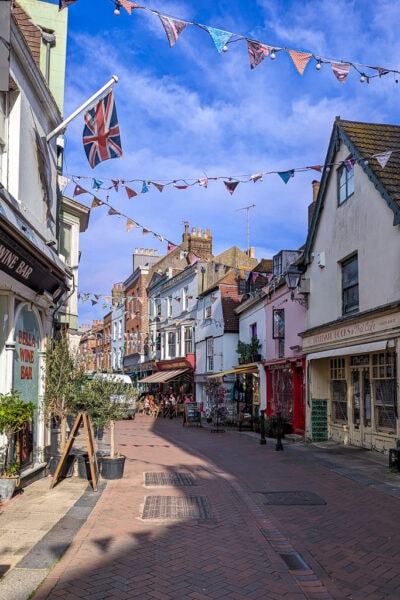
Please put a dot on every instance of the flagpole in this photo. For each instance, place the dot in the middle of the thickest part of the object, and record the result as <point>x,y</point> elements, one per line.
<point>61,126</point>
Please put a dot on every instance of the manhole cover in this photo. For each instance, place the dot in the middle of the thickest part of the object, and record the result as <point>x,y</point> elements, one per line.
<point>176,507</point>
<point>168,479</point>
<point>293,498</point>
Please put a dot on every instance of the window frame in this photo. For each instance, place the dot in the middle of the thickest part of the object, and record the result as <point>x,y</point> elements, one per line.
<point>345,182</point>
<point>209,354</point>
<point>352,285</point>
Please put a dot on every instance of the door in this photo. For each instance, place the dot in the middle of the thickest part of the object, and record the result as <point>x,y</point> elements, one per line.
<point>361,404</point>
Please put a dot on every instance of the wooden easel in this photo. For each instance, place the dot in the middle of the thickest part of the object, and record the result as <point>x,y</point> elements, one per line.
<point>94,469</point>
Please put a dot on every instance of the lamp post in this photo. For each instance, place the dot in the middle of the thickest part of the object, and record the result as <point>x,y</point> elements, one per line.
<point>279,432</point>
<point>292,278</point>
<point>263,441</point>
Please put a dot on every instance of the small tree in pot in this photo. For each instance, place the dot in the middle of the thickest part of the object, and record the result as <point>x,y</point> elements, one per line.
<point>106,401</point>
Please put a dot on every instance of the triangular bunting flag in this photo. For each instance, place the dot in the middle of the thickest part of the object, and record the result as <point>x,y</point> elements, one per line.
<point>257,52</point>
<point>93,302</point>
<point>130,224</point>
<point>107,298</point>
<point>115,183</point>
<point>315,168</point>
<point>64,3</point>
<point>96,184</point>
<point>159,186</point>
<point>96,202</point>
<point>145,189</point>
<point>349,164</point>
<point>286,175</point>
<point>254,276</point>
<point>173,28</point>
<point>300,59</point>
<point>145,231</point>
<point>62,182</point>
<point>203,182</point>
<point>128,6</point>
<point>341,70</point>
<point>194,258</point>
<point>79,190</point>
<point>159,237</point>
<point>112,211</point>
<point>383,158</point>
<point>256,177</point>
<point>170,247</point>
<point>219,37</point>
<point>131,193</point>
<point>231,186</point>
<point>180,187</point>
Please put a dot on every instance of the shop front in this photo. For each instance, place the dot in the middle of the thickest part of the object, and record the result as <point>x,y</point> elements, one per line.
<point>352,374</point>
<point>285,392</point>
<point>172,377</point>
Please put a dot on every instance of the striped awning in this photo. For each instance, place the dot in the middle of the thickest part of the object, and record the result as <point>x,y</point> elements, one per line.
<point>249,368</point>
<point>163,376</point>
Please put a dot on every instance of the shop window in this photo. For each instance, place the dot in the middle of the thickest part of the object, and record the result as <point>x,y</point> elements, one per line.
<point>350,302</point>
<point>384,390</point>
<point>338,390</point>
<point>345,181</point>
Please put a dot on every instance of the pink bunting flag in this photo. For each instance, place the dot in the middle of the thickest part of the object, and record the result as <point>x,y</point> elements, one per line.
<point>173,28</point>
<point>131,193</point>
<point>203,182</point>
<point>79,190</point>
<point>159,186</point>
<point>170,247</point>
<point>257,52</point>
<point>180,187</point>
<point>349,164</point>
<point>130,224</point>
<point>231,186</point>
<point>300,59</point>
<point>315,168</point>
<point>115,183</point>
<point>128,6</point>
<point>341,70</point>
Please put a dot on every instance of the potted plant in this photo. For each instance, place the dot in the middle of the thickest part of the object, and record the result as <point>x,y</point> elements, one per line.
<point>65,380</point>
<point>14,413</point>
<point>106,401</point>
<point>248,352</point>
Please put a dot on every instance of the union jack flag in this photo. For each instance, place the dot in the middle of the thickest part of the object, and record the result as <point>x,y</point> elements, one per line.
<point>101,136</point>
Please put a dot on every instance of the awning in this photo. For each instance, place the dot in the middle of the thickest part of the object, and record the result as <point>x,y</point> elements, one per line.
<point>359,349</point>
<point>250,368</point>
<point>163,376</point>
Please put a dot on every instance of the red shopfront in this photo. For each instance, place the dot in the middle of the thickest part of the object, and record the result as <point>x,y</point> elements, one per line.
<point>286,391</point>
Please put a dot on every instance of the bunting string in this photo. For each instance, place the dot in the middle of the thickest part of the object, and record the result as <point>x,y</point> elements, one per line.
<point>257,50</point>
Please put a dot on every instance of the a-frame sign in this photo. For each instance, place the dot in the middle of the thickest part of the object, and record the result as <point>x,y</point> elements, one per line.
<point>82,418</point>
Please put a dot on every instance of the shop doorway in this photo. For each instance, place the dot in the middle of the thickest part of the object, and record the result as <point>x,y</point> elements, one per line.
<point>361,405</point>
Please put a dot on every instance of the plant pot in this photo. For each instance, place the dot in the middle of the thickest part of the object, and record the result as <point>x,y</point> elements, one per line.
<point>84,464</point>
<point>67,468</point>
<point>112,468</point>
<point>7,487</point>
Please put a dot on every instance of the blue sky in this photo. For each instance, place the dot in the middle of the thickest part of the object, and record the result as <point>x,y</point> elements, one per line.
<point>188,112</point>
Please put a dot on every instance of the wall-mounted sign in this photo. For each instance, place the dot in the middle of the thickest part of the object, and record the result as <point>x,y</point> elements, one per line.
<point>26,359</point>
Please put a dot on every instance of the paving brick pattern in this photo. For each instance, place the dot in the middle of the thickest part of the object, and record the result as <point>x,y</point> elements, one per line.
<point>343,549</point>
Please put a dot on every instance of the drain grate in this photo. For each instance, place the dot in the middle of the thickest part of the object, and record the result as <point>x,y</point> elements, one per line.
<point>293,498</point>
<point>295,561</point>
<point>176,507</point>
<point>161,479</point>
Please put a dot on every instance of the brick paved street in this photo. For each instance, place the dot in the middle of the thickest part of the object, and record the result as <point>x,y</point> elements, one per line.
<point>222,516</point>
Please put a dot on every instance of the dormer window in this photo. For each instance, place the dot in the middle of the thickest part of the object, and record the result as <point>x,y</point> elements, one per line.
<point>345,181</point>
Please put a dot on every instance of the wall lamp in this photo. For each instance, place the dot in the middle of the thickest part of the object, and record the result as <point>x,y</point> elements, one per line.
<point>292,278</point>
